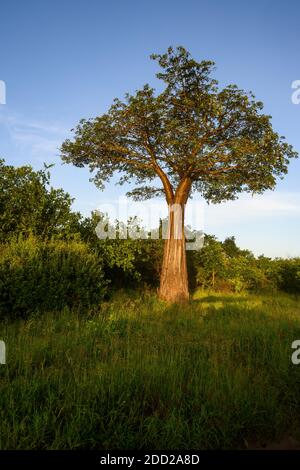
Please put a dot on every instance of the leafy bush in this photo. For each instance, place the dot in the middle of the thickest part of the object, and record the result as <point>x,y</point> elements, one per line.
<point>225,267</point>
<point>37,275</point>
<point>127,262</point>
<point>289,270</point>
<point>29,205</point>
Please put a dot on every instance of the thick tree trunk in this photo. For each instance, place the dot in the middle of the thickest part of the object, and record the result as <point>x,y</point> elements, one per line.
<point>174,276</point>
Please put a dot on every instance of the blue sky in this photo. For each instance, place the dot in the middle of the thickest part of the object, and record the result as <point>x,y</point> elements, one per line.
<point>66,60</point>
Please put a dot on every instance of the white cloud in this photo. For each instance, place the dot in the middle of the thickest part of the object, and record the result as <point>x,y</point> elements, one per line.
<point>275,204</point>
<point>38,139</point>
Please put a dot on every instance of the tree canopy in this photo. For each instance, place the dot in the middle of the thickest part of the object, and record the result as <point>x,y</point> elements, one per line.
<point>193,135</point>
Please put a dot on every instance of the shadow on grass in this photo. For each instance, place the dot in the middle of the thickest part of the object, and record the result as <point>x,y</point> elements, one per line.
<point>227,299</point>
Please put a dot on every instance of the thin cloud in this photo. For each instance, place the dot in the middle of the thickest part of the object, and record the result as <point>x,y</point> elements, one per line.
<point>16,122</point>
<point>269,205</point>
<point>40,140</point>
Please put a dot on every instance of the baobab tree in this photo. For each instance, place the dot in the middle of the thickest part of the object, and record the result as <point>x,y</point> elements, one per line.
<point>193,136</point>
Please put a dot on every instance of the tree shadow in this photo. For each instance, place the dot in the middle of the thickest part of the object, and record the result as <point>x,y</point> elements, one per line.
<point>226,299</point>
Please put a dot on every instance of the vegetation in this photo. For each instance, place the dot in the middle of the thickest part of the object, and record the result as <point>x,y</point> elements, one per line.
<point>94,366</point>
<point>138,374</point>
<point>193,136</point>
<point>29,205</point>
<point>35,275</point>
<point>68,265</point>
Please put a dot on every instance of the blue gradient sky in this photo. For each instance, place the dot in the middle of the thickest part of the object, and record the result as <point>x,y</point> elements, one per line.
<point>65,60</point>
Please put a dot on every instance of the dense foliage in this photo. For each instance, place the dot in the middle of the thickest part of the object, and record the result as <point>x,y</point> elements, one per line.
<point>29,205</point>
<point>193,136</point>
<point>51,257</point>
<point>46,276</point>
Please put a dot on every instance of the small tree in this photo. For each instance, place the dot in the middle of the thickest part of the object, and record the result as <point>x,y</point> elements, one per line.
<point>212,261</point>
<point>29,205</point>
<point>192,137</point>
<point>230,247</point>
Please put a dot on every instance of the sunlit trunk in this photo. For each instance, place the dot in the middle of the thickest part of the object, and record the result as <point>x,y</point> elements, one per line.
<point>174,276</point>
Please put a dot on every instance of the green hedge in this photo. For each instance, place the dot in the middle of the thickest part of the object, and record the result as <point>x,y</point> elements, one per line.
<point>36,276</point>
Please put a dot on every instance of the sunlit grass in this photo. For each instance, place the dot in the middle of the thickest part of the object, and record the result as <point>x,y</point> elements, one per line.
<point>137,373</point>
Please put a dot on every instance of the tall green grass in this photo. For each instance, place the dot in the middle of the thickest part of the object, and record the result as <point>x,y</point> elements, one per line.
<point>216,373</point>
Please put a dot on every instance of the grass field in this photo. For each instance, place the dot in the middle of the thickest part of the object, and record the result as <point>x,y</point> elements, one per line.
<point>216,373</point>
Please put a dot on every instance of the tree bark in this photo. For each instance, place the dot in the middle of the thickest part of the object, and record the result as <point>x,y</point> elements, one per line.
<point>174,275</point>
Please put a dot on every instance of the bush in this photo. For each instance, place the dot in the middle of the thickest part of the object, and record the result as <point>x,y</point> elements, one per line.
<point>37,275</point>
<point>29,205</point>
<point>127,262</point>
<point>289,270</point>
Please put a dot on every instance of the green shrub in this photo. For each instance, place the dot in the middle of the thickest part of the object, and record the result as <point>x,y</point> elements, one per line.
<point>127,262</point>
<point>290,274</point>
<point>37,275</point>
